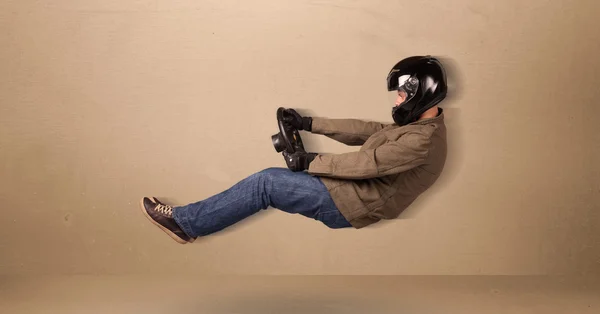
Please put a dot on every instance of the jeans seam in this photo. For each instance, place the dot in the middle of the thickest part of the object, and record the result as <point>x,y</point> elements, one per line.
<point>182,220</point>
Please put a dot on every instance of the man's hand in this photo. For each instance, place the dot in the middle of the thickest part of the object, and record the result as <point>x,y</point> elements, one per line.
<point>298,161</point>
<point>293,118</point>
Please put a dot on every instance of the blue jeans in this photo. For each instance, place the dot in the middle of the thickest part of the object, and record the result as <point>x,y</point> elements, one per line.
<point>292,192</point>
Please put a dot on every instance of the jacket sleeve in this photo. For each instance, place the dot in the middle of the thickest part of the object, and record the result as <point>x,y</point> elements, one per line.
<point>353,132</point>
<point>410,151</point>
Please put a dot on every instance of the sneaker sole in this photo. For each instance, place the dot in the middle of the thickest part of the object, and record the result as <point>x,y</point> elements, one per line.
<point>167,231</point>
<point>156,201</point>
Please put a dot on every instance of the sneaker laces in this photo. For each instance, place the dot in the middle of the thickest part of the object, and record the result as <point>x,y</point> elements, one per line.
<point>164,209</point>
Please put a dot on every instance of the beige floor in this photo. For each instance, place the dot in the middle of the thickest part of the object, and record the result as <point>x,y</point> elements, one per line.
<point>103,102</point>
<point>299,294</point>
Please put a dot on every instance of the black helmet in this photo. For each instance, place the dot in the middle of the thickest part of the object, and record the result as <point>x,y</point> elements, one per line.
<point>423,79</point>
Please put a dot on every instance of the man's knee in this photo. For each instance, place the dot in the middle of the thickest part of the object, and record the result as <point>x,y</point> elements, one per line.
<point>272,172</point>
<point>266,176</point>
<point>265,183</point>
<point>269,178</point>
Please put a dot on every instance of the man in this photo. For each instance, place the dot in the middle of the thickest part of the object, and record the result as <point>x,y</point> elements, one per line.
<point>396,163</point>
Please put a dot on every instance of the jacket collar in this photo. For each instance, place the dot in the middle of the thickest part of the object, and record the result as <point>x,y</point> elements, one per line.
<point>437,119</point>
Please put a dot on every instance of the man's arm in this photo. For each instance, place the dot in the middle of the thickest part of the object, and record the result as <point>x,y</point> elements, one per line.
<point>351,132</point>
<point>410,151</point>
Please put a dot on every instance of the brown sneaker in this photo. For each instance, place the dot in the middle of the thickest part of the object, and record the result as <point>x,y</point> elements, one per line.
<point>162,216</point>
<point>155,200</point>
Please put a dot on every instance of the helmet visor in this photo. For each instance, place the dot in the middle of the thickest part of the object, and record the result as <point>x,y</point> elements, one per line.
<point>405,90</point>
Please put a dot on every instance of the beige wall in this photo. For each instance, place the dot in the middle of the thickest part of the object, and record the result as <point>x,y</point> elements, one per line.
<point>103,102</point>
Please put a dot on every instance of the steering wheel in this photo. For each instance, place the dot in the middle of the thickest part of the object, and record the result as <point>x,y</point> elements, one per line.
<point>288,138</point>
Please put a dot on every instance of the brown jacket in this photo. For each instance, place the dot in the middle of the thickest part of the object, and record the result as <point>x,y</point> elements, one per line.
<point>392,168</point>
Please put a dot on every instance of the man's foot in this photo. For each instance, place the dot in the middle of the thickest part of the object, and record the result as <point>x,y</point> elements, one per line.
<point>162,216</point>
<point>155,200</point>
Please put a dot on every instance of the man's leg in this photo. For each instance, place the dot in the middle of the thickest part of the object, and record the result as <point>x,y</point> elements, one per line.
<point>293,192</point>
